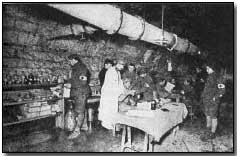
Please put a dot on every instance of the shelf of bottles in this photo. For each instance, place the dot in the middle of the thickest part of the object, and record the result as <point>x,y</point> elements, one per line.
<point>29,81</point>
<point>15,87</point>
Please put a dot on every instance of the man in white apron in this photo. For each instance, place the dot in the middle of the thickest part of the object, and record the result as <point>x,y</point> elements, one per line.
<point>111,89</point>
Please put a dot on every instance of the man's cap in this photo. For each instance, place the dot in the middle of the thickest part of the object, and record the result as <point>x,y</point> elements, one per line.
<point>108,61</point>
<point>74,56</point>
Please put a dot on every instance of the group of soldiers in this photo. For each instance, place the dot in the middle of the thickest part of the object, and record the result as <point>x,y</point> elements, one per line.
<point>141,83</point>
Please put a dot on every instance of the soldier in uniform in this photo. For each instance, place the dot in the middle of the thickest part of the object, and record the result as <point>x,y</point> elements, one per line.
<point>213,91</point>
<point>80,90</point>
<point>130,74</point>
<point>145,86</point>
<point>200,78</point>
<point>107,64</point>
<point>187,92</point>
<point>160,88</point>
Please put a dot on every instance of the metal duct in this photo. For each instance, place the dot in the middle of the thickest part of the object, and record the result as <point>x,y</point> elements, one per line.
<point>114,20</point>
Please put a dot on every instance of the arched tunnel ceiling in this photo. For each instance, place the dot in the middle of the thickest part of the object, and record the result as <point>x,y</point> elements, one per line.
<point>208,25</point>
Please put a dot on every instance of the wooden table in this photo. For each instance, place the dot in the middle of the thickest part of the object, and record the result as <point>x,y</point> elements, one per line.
<point>154,127</point>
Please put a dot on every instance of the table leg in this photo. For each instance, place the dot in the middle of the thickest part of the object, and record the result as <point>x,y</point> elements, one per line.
<point>174,132</point>
<point>114,130</point>
<point>84,125</point>
<point>123,138</point>
<point>129,135</point>
<point>150,145</point>
<point>90,118</point>
<point>145,146</point>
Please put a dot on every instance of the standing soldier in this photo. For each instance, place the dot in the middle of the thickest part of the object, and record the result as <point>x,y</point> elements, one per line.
<point>107,64</point>
<point>130,74</point>
<point>80,90</point>
<point>213,91</point>
<point>110,92</point>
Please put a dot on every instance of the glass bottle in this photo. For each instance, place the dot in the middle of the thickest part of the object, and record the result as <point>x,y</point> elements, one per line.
<point>26,78</point>
<point>30,79</point>
<point>22,77</point>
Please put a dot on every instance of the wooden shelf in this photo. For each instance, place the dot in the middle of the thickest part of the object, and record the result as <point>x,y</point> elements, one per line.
<point>27,120</point>
<point>25,87</point>
<point>25,102</point>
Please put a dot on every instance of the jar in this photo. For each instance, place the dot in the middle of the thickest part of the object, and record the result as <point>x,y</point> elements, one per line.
<point>153,105</point>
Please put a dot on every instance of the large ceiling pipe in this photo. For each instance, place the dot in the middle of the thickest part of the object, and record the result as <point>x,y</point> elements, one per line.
<point>114,20</point>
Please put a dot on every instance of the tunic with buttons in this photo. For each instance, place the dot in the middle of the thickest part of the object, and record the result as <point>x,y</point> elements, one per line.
<point>212,93</point>
<point>79,85</point>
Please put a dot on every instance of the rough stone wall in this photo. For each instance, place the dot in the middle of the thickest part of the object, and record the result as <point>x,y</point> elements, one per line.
<point>28,46</point>
<point>37,45</point>
<point>25,44</point>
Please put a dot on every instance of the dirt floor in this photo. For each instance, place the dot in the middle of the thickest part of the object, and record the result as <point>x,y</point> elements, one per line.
<point>46,139</point>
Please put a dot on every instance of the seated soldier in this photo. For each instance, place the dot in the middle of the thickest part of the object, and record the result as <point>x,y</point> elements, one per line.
<point>130,73</point>
<point>160,89</point>
<point>145,86</point>
<point>126,101</point>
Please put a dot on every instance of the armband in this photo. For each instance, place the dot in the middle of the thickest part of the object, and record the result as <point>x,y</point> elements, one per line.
<point>221,86</point>
<point>84,78</point>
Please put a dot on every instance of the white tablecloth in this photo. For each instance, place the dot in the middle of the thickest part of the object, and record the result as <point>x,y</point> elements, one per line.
<point>160,122</point>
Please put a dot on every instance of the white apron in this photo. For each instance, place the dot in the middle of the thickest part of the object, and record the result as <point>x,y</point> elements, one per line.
<point>110,91</point>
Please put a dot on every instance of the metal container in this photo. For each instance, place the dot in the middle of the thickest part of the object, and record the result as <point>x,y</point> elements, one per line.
<point>70,120</point>
<point>153,105</point>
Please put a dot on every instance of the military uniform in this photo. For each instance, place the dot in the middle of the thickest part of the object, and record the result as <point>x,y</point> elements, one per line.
<point>188,94</point>
<point>199,84</point>
<point>211,95</point>
<point>145,86</point>
<point>80,89</point>
<point>131,76</point>
<point>102,76</point>
<point>161,92</point>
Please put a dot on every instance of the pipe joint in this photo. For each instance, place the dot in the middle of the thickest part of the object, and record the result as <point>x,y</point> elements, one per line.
<point>175,44</point>
<point>143,28</point>
<point>120,25</point>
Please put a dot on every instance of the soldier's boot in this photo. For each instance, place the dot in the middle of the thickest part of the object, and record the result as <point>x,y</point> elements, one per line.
<point>75,133</point>
<point>84,126</point>
<point>208,136</point>
<point>77,130</point>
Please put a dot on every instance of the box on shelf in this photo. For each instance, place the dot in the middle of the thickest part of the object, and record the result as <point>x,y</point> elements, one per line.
<point>47,112</point>
<point>34,104</point>
<point>45,107</point>
<point>33,109</point>
<point>31,115</point>
<point>44,103</point>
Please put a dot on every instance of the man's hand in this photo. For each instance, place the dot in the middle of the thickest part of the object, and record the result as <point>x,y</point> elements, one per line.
<point>83,78</point>
<point>132,92</point>
<point>147,85</point>
<point>182,92</point>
